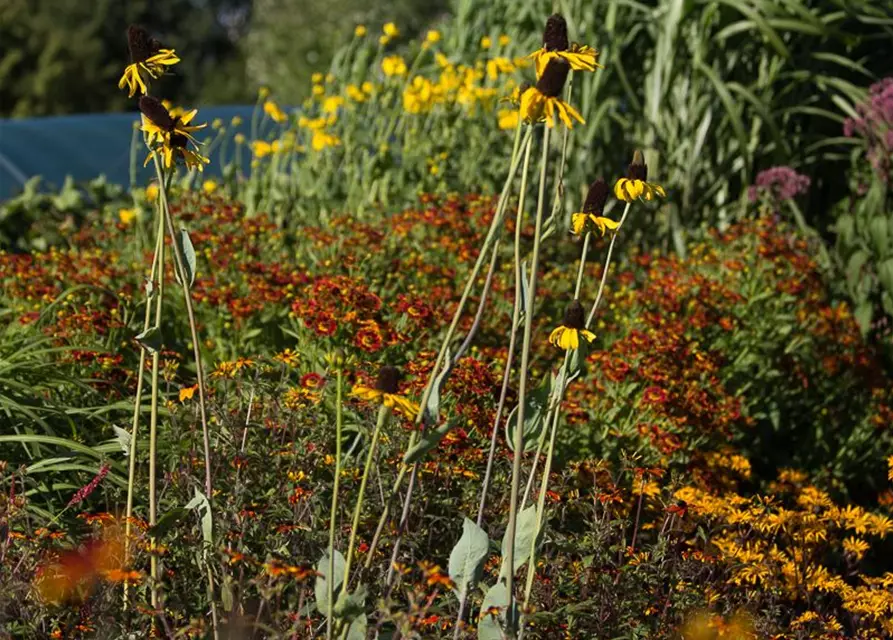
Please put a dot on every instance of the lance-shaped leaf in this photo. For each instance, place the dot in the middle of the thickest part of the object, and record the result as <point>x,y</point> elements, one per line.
<point>432,407</point>
<point>468,556</point>
<point>187,251</point>
<point>525,532</point>
<point>200,502</point>
<point>150,339</point>
<point>428,441</point>
<point>321,589</point>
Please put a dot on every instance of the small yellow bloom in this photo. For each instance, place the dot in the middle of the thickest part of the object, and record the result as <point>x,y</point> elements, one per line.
<point>186,393</point>
<point>359,31</point>
<point>316,78</point>
<point>263,93</point>
<point>508,118</point>
<point>367,88</point>
<point>486,42</point>
<point>567,335</point>
<point>504,40</point>
<point>147,60</point>
<point>318,90</point>
<point>236,121</point>
<point>635,185</point>
<point>152,192</point>
<point>856,547</point>
<point>355,93</point>
<point>383,40</point>
<point>239,138</point>
<point>390,30</point>
<point>393,66</point>
<point>332,104</point>
<point>385,392</point>
<point>541,102</point>
<point>261,148</point>
<point>321,140</point>
<point>216,123</point>
<point>209,186</point>
<point>272,109</point>
<point>126,216</point>
<point>432,36</point>
<point>590,218</point>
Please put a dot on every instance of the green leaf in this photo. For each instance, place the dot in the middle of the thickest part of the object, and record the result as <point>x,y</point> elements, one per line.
<point>167,521</point>
<point>863,315</point>
<point>320,589</point>
<point>357,629</point>
<point>349,606</point>
<point>123,437</point>
<point>854,269</point>
<point>428,441</point>
<point>885,273</point>
<point>150,339</point>
<point>845,228</point>
<point>432,407</point>
<point>200,502</point>
<point>226,594</point>
<point>468,556</point>
<point>534,416</point>
<point>188,253</point>
<point>525,531</point>
<point>490,626</point>
<point>879,230</point>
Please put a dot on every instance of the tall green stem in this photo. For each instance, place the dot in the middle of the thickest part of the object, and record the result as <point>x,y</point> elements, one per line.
<point>601,286</point>
<point>522,390</point>
<point>383,413</point>
<point>330,579</point>
<point>137,404</point>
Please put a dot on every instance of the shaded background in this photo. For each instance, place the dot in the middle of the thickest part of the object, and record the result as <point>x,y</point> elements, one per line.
<point>60,57</point>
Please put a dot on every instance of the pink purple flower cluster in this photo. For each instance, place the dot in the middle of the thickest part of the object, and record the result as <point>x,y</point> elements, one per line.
<point>875,125</point>
<point>88,488</point>
<point>778,184</point>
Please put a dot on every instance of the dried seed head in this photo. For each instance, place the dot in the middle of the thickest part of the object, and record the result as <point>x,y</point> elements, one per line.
<point>388,379</point>
<point>597,197</point>
<point>573,316</point>
<point>155,111</point>
<point>554,76</point>
<point>555,34</point>
<point>142,46</point>
<point>638,170</point>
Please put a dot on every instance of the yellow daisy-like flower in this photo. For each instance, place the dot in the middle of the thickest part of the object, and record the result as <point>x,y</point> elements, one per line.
<point>147,60</point>
<point>393,66</point>
<point>391,30</point>
<point>541,102</point>
<point>590,218</point>
<point>556,45</point>
<point>635,185</point>
<point>385,392</point>
<point>169,136</point>
<point>573,327</point>
<point>272,109</point>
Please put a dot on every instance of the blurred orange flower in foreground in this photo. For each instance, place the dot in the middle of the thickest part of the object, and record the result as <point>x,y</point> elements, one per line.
<point>75,572</point>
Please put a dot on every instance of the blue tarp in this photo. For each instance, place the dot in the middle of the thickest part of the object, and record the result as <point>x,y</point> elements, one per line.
<point>82,146</point>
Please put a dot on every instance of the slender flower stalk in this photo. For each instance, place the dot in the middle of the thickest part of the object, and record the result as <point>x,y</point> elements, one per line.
<point>339,383</point>
<point>522,389</point>
<point>137,405</point>
<point>516,313</point>
<point>601,286</point>
<point>383,412</point>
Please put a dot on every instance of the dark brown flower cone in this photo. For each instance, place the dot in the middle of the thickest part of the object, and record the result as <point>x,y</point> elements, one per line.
<point>155,111</point>
<point>554,76</point>
<point>597,197</point>
<point>574,316</point>
<point>388,380</point>
<point>638,170</point>
<point>555,34</point>
<point>142,46</point>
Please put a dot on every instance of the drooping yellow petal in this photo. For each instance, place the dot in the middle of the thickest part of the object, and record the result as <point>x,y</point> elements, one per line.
<point>366,393</point>
<point>555,336</point>
<point>587,334</point>
<point>578,221</point>
<point>404,405</point>
<point>604,223</point>
<point>570,339</point>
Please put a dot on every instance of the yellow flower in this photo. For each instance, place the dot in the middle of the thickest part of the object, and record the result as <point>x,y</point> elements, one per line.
<point>508,118</point>
<point>263,93</point>
<point>261,148</point>
<point>432,36</point>
<point>383,40</point>
<point>321,140</point>
<point>590,218</point>
<point>541,102</point>
<point>126,216</point>
<point>367,88</point>
<point>497,66</point>
<point>148,58</point>
<point>316,78</point>
<point>359,31</point>
<point>332,104</point>
<point>390,30</point>
<point>556,45</point>
<point>318,89</point>
<point>171,136</point>
<point>355,93</point>
<point>236,121</point>
<point>418,96</point>
<point>272,109</point>
<point>209,186</point>
<point>393,66</point>
<point>385,392</point>
<point>216,123</point>
<point>152,192</point>
<point>504,40</point>
<point>567,335</point>
<point>239,138</point>
<point>486,42</point>
<point>856,547</point>
<point>635,185</point>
